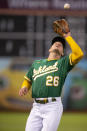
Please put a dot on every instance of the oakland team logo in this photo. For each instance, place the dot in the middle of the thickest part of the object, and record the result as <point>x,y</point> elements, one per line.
<point>44,70</point>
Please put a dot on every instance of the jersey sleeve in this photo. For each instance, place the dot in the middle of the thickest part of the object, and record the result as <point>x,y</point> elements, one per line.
<point>29,74</point>
<point>77,53</point>
<point>67,63</point>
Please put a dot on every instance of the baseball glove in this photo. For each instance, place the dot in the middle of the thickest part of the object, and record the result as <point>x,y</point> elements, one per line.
<point>61,27</point>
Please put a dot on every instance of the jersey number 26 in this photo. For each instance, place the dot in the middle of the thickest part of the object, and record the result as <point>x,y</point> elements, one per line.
<point>52,81</point>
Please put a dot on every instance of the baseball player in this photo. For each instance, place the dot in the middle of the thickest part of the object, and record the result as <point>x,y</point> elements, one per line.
<point>47,76</point>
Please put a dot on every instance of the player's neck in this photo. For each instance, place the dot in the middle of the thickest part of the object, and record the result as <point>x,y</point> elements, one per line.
<point>53,55</point>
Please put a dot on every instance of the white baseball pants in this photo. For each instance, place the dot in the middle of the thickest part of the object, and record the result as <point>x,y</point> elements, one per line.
<point>45,117</point>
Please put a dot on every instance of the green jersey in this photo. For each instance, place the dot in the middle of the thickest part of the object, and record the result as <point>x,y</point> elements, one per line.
<point>47,77</point>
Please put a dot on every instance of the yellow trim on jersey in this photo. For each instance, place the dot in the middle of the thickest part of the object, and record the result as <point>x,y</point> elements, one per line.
<point>52,59</point>
<point>26,78</point>
<point>70,59</point>
<point>26,84</point>
<point>77,53</point>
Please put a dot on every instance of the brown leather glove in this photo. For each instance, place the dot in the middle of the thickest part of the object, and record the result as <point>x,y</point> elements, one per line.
<point>61,27</point>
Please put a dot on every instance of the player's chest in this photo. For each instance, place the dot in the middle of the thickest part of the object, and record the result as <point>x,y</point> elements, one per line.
<point>46,68</point>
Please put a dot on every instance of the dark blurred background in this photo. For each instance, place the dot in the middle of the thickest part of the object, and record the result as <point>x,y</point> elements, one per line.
<point>25,35</point>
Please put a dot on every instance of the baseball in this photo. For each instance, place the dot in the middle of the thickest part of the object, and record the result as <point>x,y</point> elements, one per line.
<point>66,6</point>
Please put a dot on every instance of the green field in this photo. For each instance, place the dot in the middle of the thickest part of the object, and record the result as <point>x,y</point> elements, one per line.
<point>17,121</point>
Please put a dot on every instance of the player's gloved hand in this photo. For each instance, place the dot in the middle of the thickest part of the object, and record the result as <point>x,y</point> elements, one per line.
<point>61,27</point>
<point>23,91</point>
<point>66,35</point>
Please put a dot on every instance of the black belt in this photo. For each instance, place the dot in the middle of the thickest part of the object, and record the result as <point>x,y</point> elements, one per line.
<point>44,101</point>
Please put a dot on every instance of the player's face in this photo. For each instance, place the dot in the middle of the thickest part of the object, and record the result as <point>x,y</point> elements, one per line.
<point>57,47</point>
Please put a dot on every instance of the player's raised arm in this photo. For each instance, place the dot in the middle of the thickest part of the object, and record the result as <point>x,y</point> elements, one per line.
<point>25,87</point>
<point>61,27</point>
<point>77,53</point>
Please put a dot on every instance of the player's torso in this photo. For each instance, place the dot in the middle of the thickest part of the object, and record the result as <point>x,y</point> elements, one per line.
<point>48,78</point>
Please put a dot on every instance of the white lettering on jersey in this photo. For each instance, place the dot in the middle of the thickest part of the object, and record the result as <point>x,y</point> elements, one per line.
<point>44,70</point>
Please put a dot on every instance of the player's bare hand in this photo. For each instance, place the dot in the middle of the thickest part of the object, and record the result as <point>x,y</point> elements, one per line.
<point>23,91</point>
